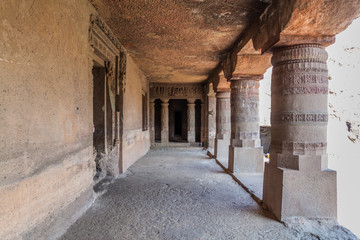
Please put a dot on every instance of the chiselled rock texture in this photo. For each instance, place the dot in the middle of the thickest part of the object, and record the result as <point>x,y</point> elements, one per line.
<point>46,155</point>
<point>245,152</point>
<point>168,34</point>
<point>223,124</point>
<point>299,118</point>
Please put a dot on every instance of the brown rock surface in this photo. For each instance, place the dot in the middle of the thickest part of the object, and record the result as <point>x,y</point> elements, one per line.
<point>178,41</point>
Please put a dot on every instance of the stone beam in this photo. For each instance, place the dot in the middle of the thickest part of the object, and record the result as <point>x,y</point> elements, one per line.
<point>249,62</point>
<point>293,22</point>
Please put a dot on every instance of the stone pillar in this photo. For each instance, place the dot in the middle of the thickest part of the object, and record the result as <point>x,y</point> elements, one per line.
<point>202,123</point>
<point>245,151</point>
<point>191,120</point>
<point>211,121</point>
<point>152,120</point>
<point>223,123</point>
<point>165,121</point>
<point>296,180</point>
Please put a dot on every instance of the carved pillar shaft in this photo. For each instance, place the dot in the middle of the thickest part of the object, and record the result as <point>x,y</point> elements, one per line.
<point>191,120</point>
<point>245,151</point>
<point>223,123</point>
<point>297,174</point>
<point>245,122</point>
<point>299,106</point>
<point>223,116</point>
<point>211,121</point>
<point>165,121</point>
<point>152,121</point>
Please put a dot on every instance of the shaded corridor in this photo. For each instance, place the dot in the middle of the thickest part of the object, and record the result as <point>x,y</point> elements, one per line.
<point>176,195</point>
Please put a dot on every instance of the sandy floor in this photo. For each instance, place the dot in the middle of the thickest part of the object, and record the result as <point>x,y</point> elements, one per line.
<point>177,195</point>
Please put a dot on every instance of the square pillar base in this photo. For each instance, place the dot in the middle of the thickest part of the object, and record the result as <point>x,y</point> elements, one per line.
<point>222,151</point>
<point>246,160</point>
<point>191,136</point>
<point>288,193</point>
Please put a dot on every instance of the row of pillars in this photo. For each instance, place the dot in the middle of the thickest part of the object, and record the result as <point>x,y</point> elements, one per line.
<point>296,179</point>
<point>165,120</point>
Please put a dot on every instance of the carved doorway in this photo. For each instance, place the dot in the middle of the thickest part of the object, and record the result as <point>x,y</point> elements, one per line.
<point>178,120</point>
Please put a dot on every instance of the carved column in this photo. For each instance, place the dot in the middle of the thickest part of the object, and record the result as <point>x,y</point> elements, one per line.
<point>202,123</point>
<point>245,151</point>
<point>223,123</point>
<point>296,180</point>
<point>191,120</point>
<point>211,117</point>
<point>165,121</point>
<point>152,120</point>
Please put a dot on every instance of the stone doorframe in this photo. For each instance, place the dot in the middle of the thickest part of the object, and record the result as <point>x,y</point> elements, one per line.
<point>167,91</point>
<point>109,53</point>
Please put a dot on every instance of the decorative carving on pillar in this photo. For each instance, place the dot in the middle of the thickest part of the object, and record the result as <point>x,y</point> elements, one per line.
<point>211,117</point>
<point>299,89</point>
<point>223,118</point>
<point>245,113</point>
<point>298,158</point>
<point>223,125</point>
<point>245,151</point>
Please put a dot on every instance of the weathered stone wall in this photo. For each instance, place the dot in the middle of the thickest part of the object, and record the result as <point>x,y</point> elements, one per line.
<point>46,154</point>
<point>136,142</point>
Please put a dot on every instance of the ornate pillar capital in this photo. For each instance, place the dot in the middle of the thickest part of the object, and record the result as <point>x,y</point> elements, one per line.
<point>191,101</point>
<point>164,100</point>
<point>223,94</point>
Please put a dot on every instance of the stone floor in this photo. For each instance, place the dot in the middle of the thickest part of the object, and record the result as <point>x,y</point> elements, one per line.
<point>185,195</point>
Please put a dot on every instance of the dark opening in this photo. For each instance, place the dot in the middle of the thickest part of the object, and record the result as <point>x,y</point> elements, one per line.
<point>177,120</point>
<point>98,113</point>
<point>144,112</point>
<point>109,118</point>
<point>157,120</point>
<point>197,121</point>
<point>178,123</point>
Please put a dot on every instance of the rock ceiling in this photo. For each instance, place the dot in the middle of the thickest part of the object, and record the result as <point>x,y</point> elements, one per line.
<point>178,40</point>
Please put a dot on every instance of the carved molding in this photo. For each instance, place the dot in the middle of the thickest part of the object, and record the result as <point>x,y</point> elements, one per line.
<point>299,146</point>
<point>122,70</point>
<point>305,90</point>
<point>98,25</point>
<point>299,118</point>
<point>176,91</point>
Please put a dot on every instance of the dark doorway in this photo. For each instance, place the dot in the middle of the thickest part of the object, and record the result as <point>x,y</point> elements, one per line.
<point>178,123</point>
<point>98,113</point>
<point>177,120</point>
<point>157,120</point>
<point>197,121</point>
